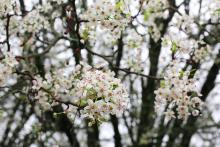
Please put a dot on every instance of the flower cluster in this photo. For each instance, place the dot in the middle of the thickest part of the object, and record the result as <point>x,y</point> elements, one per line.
<point>202,53</point>
<point>47,7</point>
<point>96,92</point>
<point>34,22</point>
<point>107,16</point>
<point>179,44</point>
<point>104,94</point>
<point>7,65</point>
<point>178,92</point>
<point>185,23</point>
<point>6,7</point>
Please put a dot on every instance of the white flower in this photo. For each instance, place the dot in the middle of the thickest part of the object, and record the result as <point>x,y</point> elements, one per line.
<point>195,112</point>
<point>6,7</point>
<point>42,99</point>
<point>169,114</point>
<point>34,22</point>
<point>37,82</point>
<point>201,54</point>
<point>10,59</point>
<point>91,107</point>
<point>196,102</point>
<point>7,66</point>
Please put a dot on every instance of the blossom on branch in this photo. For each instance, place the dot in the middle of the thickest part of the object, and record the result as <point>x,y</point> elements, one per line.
<point>178,92</point>
<point>95,92</point>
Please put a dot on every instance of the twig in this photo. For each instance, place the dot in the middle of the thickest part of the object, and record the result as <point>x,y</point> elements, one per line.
<point>136,73</point>
<point>7,31</point>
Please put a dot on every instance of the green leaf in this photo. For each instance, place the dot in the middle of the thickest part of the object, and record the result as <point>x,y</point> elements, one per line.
<point>128,15</point>
<point>194,94</point>
<point>181,73</point>
<point>119,5</point>
<point>218,10</point>
<point>162,84</point>
<point>147,14</point>
<point>83,102</point>
<point>174,47</point>
<point>36,129</point>
<point>192,72</point>
<point>85,34</point>
<point>114,86</point>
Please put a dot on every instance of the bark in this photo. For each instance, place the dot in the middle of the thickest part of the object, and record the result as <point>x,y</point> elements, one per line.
<point>22,7</point>
<point>93,136</point>
<point>147,112</point>
<point>114,119</point>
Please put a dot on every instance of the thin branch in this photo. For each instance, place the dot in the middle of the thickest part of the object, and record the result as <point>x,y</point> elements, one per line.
<point>45,51</point>
<point>59,100</point>
<point>7,31</point>
<point>136,73</point>
<point>140,8</point>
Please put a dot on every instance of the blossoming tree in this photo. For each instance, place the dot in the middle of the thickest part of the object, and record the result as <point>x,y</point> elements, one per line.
<point>70,67</point>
